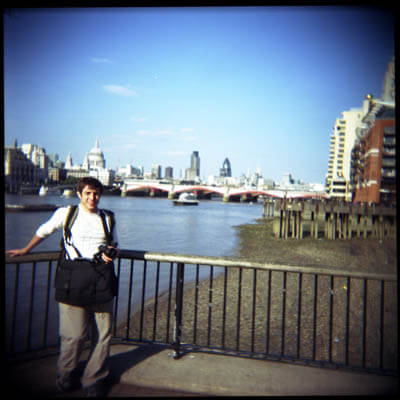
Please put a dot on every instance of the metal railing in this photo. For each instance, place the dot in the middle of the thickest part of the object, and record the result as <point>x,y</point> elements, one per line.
<point>316,316</point>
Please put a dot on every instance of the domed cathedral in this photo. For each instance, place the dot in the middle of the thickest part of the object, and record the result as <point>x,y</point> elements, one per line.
<point>93,165</point>
<point>95,158</point>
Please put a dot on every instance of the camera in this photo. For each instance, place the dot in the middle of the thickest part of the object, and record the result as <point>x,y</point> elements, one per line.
<point>108,251</point>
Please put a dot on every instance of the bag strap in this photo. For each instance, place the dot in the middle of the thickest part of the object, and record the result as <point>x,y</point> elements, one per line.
<point>108,230</point>
<point>66,238</point>
<point>108,227</point>
<point>69,221</point>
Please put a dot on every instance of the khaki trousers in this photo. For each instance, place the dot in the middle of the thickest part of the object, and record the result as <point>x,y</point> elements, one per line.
<point>76,324</point>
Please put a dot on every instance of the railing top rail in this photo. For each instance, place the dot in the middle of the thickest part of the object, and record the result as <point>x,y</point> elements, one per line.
<point>217,262</point>
<point>34,256</point>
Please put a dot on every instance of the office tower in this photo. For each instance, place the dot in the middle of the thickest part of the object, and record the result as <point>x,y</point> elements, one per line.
<point>225,171</point>
<point>195,163</point>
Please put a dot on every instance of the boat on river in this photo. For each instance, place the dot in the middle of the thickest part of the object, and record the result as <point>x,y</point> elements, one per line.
<point>45,190</point>
<point>186,199</point>
<point>68,193</point>
<point>30,207</point>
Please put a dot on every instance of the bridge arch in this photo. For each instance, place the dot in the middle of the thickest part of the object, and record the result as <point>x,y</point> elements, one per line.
<point>151,190</point>
<point>200,189</point>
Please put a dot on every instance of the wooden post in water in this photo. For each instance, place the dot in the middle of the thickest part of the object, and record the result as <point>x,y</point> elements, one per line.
<point>365,226</point>
<point>301,225</point>
<point>358,225</point>
<point>345,224</point>
<point>326,227</point>
<point>339,220</point>
<point>286,224</point>
<point>316,225</point>
<point>293,223</point>
<point>312,223</point>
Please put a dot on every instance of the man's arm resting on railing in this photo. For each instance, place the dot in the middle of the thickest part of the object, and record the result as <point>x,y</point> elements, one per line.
<point>21,252</point>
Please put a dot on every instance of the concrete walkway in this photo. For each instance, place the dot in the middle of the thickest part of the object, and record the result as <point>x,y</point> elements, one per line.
<point>150,370</point>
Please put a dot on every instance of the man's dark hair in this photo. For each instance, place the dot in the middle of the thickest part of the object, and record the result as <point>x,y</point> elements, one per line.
<point>89,181</point>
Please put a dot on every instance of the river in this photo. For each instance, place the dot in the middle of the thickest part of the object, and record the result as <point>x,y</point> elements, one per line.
<point>152,224</point>
<point>149,224</point>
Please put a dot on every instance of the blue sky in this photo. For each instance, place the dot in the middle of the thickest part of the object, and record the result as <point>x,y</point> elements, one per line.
<point>259,85</point>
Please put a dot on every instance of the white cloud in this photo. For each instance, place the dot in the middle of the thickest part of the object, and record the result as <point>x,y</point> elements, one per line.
<point>190,138</point>
<point>138,119</point>
<point>97,60</point>
<point>120,90</point>
<point>187,130</point>
<point>155,133</point>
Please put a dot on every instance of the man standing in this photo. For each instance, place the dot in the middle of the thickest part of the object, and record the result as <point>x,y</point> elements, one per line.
<point>89,230</point>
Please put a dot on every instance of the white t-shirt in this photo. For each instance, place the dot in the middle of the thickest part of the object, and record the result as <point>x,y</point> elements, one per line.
<point>87,232</point>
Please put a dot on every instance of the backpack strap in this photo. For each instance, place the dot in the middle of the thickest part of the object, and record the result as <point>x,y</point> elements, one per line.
<point>69,221</point>
<point>108,220</point>
<point>66,238</point>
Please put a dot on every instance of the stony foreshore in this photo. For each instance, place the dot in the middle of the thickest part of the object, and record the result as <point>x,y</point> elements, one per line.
<point>257,243</point>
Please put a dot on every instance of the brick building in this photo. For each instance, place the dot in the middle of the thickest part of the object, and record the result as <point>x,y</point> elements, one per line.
<point>373,165</point>
<point>373,162</point>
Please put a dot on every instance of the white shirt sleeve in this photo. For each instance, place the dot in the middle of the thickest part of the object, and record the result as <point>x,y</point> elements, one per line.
<point>55,222</point>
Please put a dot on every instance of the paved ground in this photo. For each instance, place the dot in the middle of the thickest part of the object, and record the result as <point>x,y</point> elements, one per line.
<point>150,370</point>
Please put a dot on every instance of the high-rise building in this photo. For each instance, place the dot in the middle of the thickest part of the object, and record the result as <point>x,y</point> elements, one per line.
<point>341,145</point>
<point>156,171</point>
<point>225,171</point>
<point>195,163</point>
<point>169,173</point>
<point>193,173</point>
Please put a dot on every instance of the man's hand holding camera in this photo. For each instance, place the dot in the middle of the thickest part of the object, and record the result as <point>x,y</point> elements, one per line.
<point>111,251</point>
<point>107,253</point>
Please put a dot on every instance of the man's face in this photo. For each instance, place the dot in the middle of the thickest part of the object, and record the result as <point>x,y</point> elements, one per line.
<point>90,198</point>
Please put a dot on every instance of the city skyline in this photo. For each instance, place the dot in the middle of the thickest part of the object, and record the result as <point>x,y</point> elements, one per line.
<point>261,86</point>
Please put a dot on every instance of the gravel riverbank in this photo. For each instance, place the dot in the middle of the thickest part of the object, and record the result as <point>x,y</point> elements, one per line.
<point>257,243</point>
<point>225,311</point>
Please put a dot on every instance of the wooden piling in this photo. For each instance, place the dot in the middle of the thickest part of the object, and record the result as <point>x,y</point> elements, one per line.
<point>339,220</point>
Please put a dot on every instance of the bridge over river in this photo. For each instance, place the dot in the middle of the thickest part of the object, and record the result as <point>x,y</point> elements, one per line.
<point>227,193</point>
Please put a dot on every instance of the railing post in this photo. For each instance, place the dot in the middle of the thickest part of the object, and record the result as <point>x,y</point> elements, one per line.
<point>178,311</point>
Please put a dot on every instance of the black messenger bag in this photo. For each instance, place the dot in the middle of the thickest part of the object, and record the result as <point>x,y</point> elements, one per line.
<point>84,282</point>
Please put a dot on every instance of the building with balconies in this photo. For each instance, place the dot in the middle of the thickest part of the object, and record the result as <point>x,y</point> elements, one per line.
<point>341,145</point>
<point>373,173</point>
<point>373,163</point>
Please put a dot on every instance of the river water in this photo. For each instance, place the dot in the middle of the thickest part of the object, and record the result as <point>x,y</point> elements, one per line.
<point>148,224</point>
